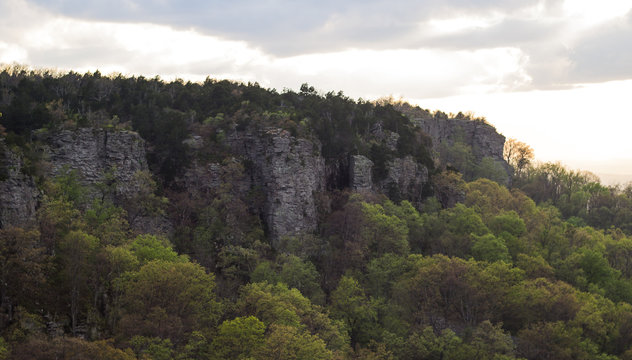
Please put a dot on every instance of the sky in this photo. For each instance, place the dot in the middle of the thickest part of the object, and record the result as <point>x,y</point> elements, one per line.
<point>554,74</point>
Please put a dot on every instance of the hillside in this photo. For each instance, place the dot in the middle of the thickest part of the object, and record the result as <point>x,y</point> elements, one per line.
<point>218,220</point>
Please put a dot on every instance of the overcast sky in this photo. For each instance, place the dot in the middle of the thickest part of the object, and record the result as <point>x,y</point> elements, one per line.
<point>556,74</point>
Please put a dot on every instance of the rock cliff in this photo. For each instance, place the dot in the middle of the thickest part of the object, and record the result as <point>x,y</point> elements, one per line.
<point>18,193</point>
<point>95,153</point>
<point>405,179</point>
<point>289,171</point>
<point>113,158</point>
<point>98,156</point>
<point>482,137</point>
<point>360,177</point>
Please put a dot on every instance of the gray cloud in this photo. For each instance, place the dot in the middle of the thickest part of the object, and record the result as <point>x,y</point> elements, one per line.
<point>287,27</point>
<point>604,54</point>
<point>79,57</point>
<point>511,32</point>
<point>547,62</point>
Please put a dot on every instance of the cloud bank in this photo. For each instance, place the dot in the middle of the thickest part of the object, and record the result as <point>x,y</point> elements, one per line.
<point>374,47</point>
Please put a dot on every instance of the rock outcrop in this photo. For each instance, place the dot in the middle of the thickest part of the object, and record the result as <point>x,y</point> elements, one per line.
<point>482,137</point>
<point>95,153</point>
<point>289,171</point>
<point>18,193</point>
<point>405,180</point>
<point>360,173</point>
<point>113,158</point>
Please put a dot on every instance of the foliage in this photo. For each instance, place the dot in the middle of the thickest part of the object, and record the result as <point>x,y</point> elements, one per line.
<point>167,300</point>
<point>518,155</point>
<point>239,338</point>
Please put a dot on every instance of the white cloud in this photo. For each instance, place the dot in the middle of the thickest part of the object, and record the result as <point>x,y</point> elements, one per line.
<point>149,49</point>
<point>590,12</point>
<point>10,53</point>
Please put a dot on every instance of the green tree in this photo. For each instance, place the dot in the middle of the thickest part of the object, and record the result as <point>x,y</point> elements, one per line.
<point>490,248</point>
<point>4,347</point>
<point>452,230</point>
<point>240,338</point>
<point>382,273</point>
<point>56,217</point>
<point>490,341</point>
<point>77,252</point>
<point>154,348</point>
<point>385,234</point>
<point>491,169</point>
<point>276,304</point>
<point>147,248</point>
<point>509,222</point>
<point>107,222</point>
<point>303,276</point>
<point>534,266</point>
<point>68,348</point>
<point>144,202</point>
<point>349,303</point>
<point>266,271</point>
<point>539,300</point>
<point>289,342</point>
<point>489,198</point>
<point>441,289</point>
<point>428,345</point>
<point>167,300</point>
<point>23,266</point>
<point>555,340</point>
<point>406,211</point>
<point>449,188</point>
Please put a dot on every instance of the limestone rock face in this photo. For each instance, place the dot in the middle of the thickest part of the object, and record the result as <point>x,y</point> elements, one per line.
<point>360,173</point>
<point>482,137</point>
<point>405,180</point>
<point>202,179</point>
<point>95,152</point>
<point>289,171</point>
<point>18,193</point>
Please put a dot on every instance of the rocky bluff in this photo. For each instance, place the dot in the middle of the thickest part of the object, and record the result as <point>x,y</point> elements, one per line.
<point>482,137</point>
<point>18,193</point>
<point>292,173</point>
<point>98,156</point>
<point>288,171</point>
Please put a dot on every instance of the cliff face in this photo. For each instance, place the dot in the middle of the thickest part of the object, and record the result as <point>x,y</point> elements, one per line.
<point>405,178</point>
<point>360,173</point>
<point>18,193</point>
<point>289,171</point>
<point>94,153</point>
<point>114,158</point>
<point>482,137</point>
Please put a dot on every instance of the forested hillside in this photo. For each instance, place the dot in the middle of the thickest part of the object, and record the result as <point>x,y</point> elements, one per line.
<point>144,219</point>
